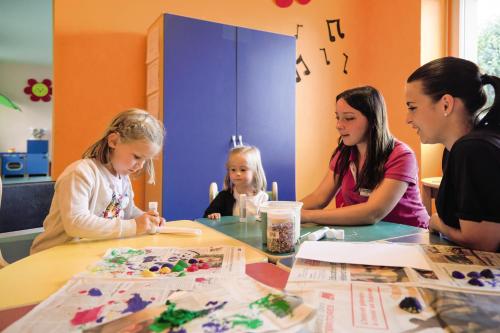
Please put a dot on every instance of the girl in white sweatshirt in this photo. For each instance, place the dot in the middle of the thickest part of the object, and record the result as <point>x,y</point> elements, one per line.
<point>93,196</point>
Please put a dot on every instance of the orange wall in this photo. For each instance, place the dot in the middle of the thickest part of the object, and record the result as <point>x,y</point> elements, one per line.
<point>99,70</point>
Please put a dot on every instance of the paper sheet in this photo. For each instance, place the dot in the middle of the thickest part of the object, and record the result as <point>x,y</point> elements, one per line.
<point>380,254</point>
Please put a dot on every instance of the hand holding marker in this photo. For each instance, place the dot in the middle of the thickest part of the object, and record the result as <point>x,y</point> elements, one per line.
<point>153,205</point>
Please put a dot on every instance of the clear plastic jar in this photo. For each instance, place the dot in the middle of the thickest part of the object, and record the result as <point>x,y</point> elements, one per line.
<point>280,231</point>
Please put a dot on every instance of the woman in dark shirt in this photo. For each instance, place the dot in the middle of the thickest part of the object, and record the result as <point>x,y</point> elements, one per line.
<point>444,99</point>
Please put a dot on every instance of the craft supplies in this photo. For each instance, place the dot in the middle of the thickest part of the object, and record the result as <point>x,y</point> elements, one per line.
<point>280,232</point>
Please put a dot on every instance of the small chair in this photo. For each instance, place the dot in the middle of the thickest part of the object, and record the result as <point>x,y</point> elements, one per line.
<point>213,190</point>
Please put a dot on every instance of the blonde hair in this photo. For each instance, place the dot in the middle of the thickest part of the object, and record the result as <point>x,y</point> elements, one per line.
<point>130,125</point>
<point>252,155</point>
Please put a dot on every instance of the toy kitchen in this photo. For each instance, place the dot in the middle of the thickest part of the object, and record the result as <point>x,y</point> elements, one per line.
<point>35,162</point>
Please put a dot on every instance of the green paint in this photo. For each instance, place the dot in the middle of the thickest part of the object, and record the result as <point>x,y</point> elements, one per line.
<point>181,274</point>
<point>248,322</point>
<point>274,303</point>
<point>117,260</point>
<point>182,263</point>
<point>172,317</point>
<point>177,268</point>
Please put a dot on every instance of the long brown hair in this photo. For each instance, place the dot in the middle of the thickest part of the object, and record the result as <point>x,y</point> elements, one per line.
<point>131,125</point>
<point>371,104</point>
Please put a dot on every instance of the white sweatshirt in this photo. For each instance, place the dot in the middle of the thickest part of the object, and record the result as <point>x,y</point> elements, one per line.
<point>89,202</point>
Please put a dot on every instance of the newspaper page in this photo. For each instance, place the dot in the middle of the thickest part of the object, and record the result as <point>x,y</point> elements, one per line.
<point>167,262</point>
<point>82,303</point>
<point>375,307</point>
<point>228,305</point>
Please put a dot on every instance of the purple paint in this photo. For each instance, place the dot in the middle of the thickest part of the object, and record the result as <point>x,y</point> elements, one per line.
<point>136,303</point>
<point>149,259</point>
<point>458,275</point>
<point>95,292</point>
<point>169,265</point>
<point>476,282</point>
<point>474,275</point>
<point>487,274</point>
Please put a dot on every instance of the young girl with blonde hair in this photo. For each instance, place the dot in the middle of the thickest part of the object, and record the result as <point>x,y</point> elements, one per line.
<point>245,175</point>
<point>93,196</point>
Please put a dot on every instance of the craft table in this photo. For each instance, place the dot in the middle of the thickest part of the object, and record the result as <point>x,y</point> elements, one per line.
<point>251,232</point>
<point>34,278</point>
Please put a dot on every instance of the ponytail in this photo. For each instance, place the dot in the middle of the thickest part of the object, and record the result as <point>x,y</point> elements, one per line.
<point>492,116</point>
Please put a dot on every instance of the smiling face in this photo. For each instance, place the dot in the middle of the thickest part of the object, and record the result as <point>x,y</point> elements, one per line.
<point>424,115</point>
<point>129,157</point>
<point>351,124</point>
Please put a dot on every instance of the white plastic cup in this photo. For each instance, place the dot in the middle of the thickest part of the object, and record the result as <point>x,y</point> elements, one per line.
<point>293,206</point>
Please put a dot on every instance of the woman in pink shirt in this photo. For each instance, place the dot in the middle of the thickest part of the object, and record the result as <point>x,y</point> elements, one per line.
<point>372,175</point>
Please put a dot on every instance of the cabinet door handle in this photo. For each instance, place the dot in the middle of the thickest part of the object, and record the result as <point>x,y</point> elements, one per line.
<point>233,141</point>
<point>240,138</point>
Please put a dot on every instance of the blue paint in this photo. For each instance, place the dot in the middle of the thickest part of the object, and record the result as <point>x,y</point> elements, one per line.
<point>136,303</point>
<point>100,319</point>
<point>95,292</point>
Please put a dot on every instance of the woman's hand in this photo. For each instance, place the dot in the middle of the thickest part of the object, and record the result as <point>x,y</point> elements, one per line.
<point>214,216</point>
<point>435,223</point>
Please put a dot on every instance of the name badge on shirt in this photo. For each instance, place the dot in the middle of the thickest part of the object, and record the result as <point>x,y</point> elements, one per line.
<point>364,192</point>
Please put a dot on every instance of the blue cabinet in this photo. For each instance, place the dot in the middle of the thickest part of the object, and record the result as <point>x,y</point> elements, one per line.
<point>220,81</point>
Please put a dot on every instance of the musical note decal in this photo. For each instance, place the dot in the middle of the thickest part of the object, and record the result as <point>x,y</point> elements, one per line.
<point>326,58</point>
<point>340,33</point>
<point>297,34</point>
<point>345,63</point>
<point>306,71</point>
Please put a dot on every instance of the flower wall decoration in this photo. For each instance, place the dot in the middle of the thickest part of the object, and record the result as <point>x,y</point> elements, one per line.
<point>39,90</point>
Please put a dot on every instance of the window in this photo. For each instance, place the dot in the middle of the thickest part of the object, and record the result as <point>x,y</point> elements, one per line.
<point>479,37</point>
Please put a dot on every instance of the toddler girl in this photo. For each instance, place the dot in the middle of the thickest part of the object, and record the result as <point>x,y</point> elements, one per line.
<point>245,175</point>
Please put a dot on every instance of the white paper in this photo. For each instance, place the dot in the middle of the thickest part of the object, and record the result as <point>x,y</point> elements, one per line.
<point>379,254</point>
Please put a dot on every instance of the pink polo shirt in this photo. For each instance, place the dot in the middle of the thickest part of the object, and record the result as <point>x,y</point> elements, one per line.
<point>401,165</point>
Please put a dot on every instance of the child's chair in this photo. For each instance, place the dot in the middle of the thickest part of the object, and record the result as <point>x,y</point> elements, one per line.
<point>213,190</point>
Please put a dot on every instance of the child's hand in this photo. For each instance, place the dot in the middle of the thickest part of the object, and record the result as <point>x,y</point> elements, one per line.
<point>214,216</point>
<point>147,222</point>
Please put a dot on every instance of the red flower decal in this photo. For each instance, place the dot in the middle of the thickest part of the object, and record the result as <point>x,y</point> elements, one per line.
<point>39,90</point>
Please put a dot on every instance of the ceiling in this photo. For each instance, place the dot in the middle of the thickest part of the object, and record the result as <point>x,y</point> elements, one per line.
<point>26,31</point>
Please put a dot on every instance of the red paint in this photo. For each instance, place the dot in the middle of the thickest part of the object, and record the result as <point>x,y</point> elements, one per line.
<point>86,316</point>
<point>303,2</point>
<point>121,291</point>
<point>284,3</point>
<point>82,292</point>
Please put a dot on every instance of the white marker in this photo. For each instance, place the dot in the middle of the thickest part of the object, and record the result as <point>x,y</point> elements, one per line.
<point>318,234</point>
<point>330,233</point>
<point>153,205</point>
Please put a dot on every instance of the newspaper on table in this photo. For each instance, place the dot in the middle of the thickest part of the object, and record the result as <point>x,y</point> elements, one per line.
<point>85,302</point>
<point>128,263</point>
<point>222,305</point>
<point>116,286</point>
<point>374,307</point>
<point>450,267</point>
<point>366,298</point>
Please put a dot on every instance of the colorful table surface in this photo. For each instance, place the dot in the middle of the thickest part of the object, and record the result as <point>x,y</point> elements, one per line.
<point>251,232</point>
